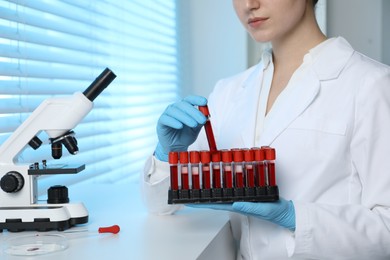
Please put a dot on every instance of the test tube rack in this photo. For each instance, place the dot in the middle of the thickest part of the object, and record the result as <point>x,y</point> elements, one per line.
<point>223,176</point>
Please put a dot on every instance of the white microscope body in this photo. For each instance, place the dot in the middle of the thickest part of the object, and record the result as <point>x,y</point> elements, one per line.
<point>19,209</point>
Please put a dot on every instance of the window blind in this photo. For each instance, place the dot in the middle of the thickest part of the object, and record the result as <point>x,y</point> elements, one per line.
<point>56,48</point>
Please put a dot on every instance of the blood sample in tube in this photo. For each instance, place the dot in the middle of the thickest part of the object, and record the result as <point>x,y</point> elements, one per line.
<point>208,128</point>
<point>270,156</point>
<point>205,167</point>
<point>248,166</point>
<point>184,170</point>
<point>194,161</point>
<point>238,172</point>
<point>227,173</point>
<point>173,161</point>
<point>259,158</point>
<point>216,167</point>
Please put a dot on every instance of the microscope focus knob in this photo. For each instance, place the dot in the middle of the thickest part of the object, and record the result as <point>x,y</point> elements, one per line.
<point>12,182</point>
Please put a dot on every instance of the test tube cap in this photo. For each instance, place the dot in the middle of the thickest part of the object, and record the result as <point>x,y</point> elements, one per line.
<point>183,156</point>
<point>194,157</point>
<point>258,153</point>
<point>270,153</point>
<point>205,156</point>
<point>248,155</point>
<point>204,110</point>
<point>215,156</point>
<point>226,156</point>
<point>238,155</point>
<point>173,157</point>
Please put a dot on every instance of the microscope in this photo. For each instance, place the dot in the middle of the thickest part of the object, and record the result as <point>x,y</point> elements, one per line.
<point>57,116</point>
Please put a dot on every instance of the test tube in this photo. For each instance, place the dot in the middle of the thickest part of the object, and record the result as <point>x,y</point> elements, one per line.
<point>205,159</point>
<point>194,162</point>
<point>216,167</point>
<point>259,158</point>
<point>216,191</point>
<point>238,169</point>
<point>208,128</point>
<point>227,174</point>
<point>270,156</point>
<point>174,174</point>
<point>260,181</point>
<point>184,170</point>
<point>249,172</point>
<point>248,166</point>
<point>238,172</point>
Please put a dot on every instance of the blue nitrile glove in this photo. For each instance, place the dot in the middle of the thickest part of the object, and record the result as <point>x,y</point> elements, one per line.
<point>281,212</point>
<point>179,126</point>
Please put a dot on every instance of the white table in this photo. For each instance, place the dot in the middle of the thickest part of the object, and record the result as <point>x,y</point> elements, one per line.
<point>188,234</point>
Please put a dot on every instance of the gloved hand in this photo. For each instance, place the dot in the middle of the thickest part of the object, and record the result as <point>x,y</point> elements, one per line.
<point>179,126</point>
<point>281,212</point>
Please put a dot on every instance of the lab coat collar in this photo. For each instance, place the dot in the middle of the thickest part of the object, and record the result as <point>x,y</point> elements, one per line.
<point>333,52</point>
<point>336,52</point>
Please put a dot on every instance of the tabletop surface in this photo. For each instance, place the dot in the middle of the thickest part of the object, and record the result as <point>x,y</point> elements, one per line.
<point>188,234</point>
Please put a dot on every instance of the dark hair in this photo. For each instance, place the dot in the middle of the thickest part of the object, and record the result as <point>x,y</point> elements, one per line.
<point>315,2</point>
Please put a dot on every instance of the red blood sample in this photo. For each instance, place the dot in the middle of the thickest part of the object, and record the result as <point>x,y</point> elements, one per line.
<point>238,158</point>
<point>250,175</point>
<point>184,171</point>
<point>173,161</point>
<point>208,128</point>
<point>194,160</point>
<point>259,157</point>
<point>227,168</point>
<point>216,159</point>
<point>270,156</point>
<point>205,159</point>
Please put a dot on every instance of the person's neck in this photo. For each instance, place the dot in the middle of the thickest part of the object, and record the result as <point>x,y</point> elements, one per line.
<point>290,50</point>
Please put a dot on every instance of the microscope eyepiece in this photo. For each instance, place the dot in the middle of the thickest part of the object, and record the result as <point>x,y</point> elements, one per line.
<point>99,84</point>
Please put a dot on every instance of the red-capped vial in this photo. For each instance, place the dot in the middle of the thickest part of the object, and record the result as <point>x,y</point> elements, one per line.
<point>227,174</point>
<point>208,128</point>
<point>238,168</point>
<point>173,159</point>
<point>205,159</point>
<point>260,171</point>
<point>216,169</point>
<point>249,168</point>
<point>184,160</point>
<point>270,156</point>
<point>195,172</point>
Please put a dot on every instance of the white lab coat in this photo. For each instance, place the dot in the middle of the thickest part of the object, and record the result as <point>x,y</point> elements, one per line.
<point>331,132</point>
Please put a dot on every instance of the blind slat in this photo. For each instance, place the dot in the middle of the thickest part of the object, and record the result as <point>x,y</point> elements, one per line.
<point>56,48</point>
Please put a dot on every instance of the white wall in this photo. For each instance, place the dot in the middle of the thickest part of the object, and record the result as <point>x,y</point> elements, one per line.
<point>364,23</point>
<point>213,42</point>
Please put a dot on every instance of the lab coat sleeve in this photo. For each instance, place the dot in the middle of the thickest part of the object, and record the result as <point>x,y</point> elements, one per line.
<point>155,185</point>
<point>355,231</point>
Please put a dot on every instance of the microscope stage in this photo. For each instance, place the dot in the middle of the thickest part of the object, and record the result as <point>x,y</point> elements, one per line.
<point>55,169</point>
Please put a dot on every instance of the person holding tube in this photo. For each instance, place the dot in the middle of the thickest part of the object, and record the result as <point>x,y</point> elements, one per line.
<point>325,108</point>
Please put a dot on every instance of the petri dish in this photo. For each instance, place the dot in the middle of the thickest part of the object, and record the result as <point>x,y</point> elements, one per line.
<point>37,244</point>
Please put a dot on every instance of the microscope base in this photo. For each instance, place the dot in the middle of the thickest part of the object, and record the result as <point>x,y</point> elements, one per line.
<point>41,217</point>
